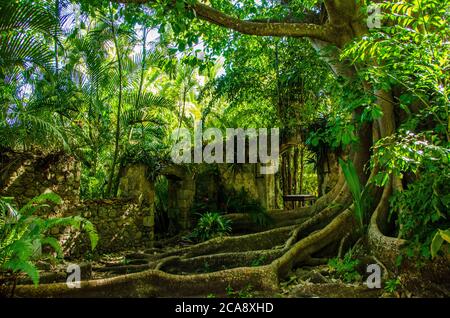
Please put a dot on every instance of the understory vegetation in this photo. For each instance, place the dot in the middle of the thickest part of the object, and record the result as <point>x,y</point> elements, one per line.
<point>359,91</point>
<point>24,235</point>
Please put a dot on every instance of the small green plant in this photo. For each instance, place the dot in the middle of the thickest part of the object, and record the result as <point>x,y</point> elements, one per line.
<point>22,234</point>
<point>229,291</point>
<point>246,292</point>
<point>345,268</point>
<point>211,295</point>
<point>260,260</point>
<point>210,225</point>
<point>392,285</point>
<point>359,193</point>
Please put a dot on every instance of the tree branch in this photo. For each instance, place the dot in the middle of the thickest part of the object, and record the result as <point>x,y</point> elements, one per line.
<point>291,29</point>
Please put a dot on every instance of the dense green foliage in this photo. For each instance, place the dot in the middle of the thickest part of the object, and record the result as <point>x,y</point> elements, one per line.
<point>411,55</point>
<point>23,234</point>
<point>210,225</point>
<point>345,268</point>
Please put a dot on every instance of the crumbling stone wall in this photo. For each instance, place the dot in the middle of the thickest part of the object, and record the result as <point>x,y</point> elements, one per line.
<point>188,187</point>
<point>182,188</point>
<point>135,185</point>
<point>121,224</point>
<point>260,187</point>
<point>24,176</point>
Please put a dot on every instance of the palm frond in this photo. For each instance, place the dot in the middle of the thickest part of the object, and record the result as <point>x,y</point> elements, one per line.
<point>141,116</point>
<point>149,100</point>
<point>26,15</point>
<point>20,46</point>
<point>28,129</point>
<point>19,51</point>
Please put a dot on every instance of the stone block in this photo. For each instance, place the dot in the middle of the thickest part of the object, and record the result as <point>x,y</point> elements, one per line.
<point>148,221</point>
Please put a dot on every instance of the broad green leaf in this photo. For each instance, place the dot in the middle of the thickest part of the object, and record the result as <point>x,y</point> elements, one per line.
<point>436,244</point>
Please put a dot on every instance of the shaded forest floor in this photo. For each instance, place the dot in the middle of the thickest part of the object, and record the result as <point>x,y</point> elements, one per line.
<point>318,281</point>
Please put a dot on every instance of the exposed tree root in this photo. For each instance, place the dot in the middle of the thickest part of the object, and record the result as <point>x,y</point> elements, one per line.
<point>249,242</point>
<point>418,280</point>
<point>384,248</point>
<point>153,283</point>
<point>220,261</point>
<point>123,269</point>
<point>303,249</point>
<point>321,218</point>
<point>342,244</point>
<point>257,259</point>
<point>315,261</point>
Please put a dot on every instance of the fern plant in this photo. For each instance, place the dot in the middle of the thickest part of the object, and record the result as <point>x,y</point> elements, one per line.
<point>23,234</point>
<point>210,225</point>
<point>345,268</point>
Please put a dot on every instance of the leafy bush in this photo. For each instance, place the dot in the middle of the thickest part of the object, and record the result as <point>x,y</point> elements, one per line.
<point>91,186</point>
<point>210,225</point>
<point>345,268</point>
<point>392,285</point>
<point>423,206</point>
<point>22,235</point>
<point>421,209</point>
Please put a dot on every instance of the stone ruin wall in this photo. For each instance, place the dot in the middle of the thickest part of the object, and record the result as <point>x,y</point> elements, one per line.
<point>24,176</point>
<point>127,221</point>
<point>121,223</point>
<point>260,187</point>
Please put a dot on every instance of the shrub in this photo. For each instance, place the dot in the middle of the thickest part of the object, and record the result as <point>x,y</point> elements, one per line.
<point>421,210</point>
<point>22,234</point>
<point>345,268</point>
<point>210,225</point>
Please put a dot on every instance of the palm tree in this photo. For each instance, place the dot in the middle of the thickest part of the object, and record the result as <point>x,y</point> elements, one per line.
<point>20,47</point>
<point>27,120</point>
